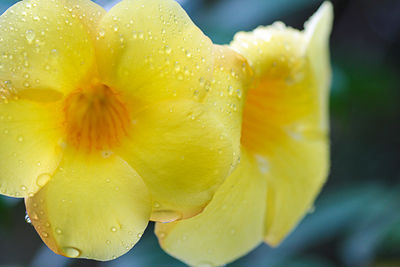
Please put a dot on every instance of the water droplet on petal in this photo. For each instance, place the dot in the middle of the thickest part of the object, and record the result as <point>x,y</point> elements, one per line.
<point>27,219</point>
<point>113,229</point>
<point>205,264</point>
<point>58,231</point>
<point>30,36</point>
<point>43,179</point>
<point>71,252</point>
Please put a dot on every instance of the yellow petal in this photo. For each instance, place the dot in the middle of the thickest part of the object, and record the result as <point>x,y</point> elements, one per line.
<point>29,146</point>
<point>92,208</point>
<point>227,92</point>
<point>46,46</point>
<point>183,153</point>
<point>296,172</point>
<point>285,119</point>
<point>317,31</point>
<point>153,51</point>
<point>229,227</point>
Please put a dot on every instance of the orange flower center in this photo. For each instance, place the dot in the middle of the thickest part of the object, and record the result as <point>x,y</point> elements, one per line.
<point>95,118</point>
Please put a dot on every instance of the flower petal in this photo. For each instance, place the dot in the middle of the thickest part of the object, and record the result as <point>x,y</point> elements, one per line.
<point>151,50</point>
<point>46,46</point>
<point>227,92</point>
<point>296,171</point>
<point>285,117</point>
<point>183,153</point>
<point>94,208</point>
<point>29,148</point>
<point>229,227</point>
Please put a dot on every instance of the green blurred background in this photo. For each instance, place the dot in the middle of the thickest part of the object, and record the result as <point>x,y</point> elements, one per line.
<point>356,221</point>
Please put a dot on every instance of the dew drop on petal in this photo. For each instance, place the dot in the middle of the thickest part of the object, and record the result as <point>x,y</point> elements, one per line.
<point>205,264</point>
<point>30,36</point>
<point>27,219</point>
<point>72,252</point>
<point>43,179</point>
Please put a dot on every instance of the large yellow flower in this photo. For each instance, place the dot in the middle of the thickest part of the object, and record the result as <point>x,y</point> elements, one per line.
<point>285,151</point>
<point>110,119</point>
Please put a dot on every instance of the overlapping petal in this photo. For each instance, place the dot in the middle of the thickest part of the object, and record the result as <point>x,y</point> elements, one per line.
<point>151,50</point>
<point>93,208</point>
<point>185,138</point>
<point>180,157</point>
<point>29,144</point>
<point>285,119</point>
<point>230,226</point>
<point>37,60</point>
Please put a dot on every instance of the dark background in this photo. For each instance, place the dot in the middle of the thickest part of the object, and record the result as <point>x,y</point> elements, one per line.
<point>356,221</point>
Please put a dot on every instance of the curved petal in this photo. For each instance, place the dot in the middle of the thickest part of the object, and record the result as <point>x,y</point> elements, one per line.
<point>296,171</point>
<point>182,152</point>
<point>230,226</point>
<point>151,50</point>
<point>227,92</point>
<point>94,208</point>
<point>29,145</point>
<point>46,46</point>
<point>286,119</point>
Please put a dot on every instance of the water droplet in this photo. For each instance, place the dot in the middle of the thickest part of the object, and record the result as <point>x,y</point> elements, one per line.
<point>43,179</point>
<point>113,229</point>
<point>156,204</point>
<point>72,252</point>
<point>139,235</point>
<point>205,264</point>
<point>27,219</point>
<point>20,139</point>
<point>108,242</point>
<point>106,153</point>
<point>58,231</point>
<point>30,36</point>
<point>45,235</point>
<point>167,49</point>
<point>23,187</point>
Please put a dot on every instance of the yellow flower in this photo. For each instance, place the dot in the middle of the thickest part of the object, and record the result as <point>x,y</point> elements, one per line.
<point>110,119</point>
<point>285,150</point>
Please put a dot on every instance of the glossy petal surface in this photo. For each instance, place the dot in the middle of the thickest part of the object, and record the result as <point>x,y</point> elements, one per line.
<point>93,208</point>
<point>230,226</point>
<point>180,157</point>
<point>28,145</point>
<point>151,50</point>
<point>46,47</point>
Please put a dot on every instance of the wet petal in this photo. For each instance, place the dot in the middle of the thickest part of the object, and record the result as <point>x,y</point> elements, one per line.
<point>229,227</point>
<point>183,153</point>
<point>46,46</point>
<point>285,120</point>
<point>227,92</point>
<point>151,50</point>
<point>92,208</point>
<point>29,145</point>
